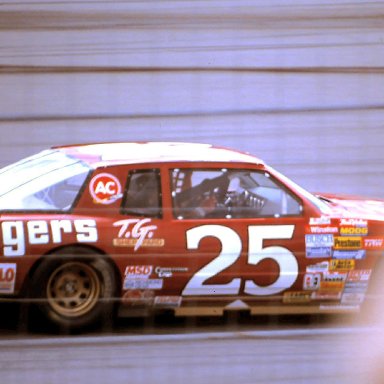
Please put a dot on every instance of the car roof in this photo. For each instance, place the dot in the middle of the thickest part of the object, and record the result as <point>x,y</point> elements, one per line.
<point>98,154</point>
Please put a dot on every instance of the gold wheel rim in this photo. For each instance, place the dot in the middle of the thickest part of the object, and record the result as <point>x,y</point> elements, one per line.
<point>73,289</point>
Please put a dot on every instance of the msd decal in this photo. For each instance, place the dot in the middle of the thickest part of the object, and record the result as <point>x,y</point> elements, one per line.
<point>138,271</point>
<point>137,278</point>
<point>105,189</point>
<point>17,234</point>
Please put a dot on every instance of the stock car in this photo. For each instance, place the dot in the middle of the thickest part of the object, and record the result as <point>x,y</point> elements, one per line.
<point>92,231</point>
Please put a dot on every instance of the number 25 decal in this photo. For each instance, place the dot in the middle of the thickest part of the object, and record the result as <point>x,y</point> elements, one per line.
<point>230,252</point>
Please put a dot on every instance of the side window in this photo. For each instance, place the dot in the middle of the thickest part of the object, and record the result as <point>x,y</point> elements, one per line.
<point>224,193</point>
<point>143,193</point>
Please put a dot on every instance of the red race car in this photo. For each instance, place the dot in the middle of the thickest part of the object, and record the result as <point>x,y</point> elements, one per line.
<point>191,228</point>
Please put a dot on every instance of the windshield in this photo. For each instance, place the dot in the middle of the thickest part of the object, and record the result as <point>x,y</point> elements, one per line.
<point>321,205</point>
<point>49,180</point>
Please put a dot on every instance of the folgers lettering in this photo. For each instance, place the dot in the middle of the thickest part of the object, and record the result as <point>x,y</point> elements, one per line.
<point>17,234</point>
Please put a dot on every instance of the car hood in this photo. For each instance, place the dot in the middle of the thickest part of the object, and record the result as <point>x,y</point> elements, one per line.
<point>354,206</point>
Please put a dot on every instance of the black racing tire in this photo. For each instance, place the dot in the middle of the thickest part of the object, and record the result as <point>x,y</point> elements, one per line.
<point>75,289</point>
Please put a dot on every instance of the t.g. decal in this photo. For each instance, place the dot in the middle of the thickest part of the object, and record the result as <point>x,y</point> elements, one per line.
<point>136,233</point>
<point>105,188</point>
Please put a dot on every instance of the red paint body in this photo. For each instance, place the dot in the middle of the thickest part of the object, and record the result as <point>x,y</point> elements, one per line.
<point>270,262</point>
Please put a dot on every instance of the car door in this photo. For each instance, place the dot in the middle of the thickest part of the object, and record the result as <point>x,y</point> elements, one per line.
<point>243,237</point>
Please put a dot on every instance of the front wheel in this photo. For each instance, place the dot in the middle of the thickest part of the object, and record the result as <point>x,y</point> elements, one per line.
<point>75,292</point>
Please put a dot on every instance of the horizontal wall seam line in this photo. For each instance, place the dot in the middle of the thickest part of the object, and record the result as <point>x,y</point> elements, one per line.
<point>21,69</point>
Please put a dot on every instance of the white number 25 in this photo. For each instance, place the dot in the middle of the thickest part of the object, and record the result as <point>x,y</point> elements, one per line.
<point>230,252</point>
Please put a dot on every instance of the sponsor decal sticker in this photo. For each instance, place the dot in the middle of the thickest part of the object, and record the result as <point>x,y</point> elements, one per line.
<point>314,241</point>
<point>168,301</point>
<point>359,275</point>
<point>353,222</point>
<point>296,297</point>
<point>326,286</point>
<point>105,189</point>
<point>354,231</point>
<point>7,277</point>
<point>342,265</point>
<point>318,267</point>
<point>319,221</point>
<point>326,295</point>
<point>138,271</point>
<point>319,230</point>
<point>312,281</point>
<point>138,298</point>
<point>335,276</point>
<point>169,271</point>
<point>352,298</point>
<point>356,286</point>
<point>343,254</point>
<point>130,283</point>
<point>319,245</point>
<point>137,233</point>
<point>333,281</point>
<point>348,243</point>
<point>314,252</point>
<point>373,243</point>
<point>339,307</point>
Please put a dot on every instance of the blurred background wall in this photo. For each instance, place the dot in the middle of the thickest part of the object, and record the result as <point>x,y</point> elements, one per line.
<point>298,83</point>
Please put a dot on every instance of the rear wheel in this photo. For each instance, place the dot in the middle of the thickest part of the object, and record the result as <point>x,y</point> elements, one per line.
<point>75,291</point>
